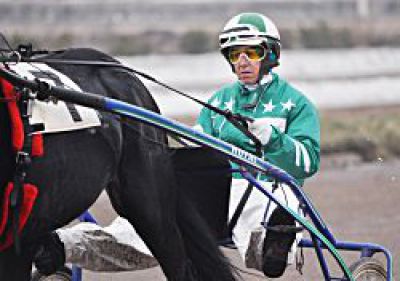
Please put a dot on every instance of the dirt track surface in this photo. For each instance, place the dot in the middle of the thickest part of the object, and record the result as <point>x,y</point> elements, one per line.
<point>358,202</point>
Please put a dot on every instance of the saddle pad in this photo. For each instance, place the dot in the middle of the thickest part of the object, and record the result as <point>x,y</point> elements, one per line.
<point>59,116</point>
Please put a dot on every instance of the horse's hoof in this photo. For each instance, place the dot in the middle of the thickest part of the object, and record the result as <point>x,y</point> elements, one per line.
<point>50,254</point>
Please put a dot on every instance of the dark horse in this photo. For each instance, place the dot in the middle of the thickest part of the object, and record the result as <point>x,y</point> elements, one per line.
<point>131,160</point>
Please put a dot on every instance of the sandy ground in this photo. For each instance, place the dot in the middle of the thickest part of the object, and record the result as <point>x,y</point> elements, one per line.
<point>359,202</point>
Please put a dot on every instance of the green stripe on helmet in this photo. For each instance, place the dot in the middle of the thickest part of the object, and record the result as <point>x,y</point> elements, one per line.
<point>253,19</point>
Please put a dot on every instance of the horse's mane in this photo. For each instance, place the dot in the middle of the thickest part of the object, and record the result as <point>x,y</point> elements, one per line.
<point>88,54</point>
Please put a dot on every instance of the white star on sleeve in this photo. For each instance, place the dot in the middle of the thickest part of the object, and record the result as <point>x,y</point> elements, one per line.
<point>216,103</point>
<point>229,104</point>
<point>287,105</point>
<point>268,107</point>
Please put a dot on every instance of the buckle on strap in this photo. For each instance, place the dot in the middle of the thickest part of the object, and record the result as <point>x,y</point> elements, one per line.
<point>23,161</point>
<point>22,158</point>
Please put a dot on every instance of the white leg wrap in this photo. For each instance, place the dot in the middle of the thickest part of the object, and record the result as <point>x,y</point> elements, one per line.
<point>114,248</point>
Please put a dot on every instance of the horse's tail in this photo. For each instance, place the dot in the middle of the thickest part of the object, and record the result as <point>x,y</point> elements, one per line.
<point>201,247</point>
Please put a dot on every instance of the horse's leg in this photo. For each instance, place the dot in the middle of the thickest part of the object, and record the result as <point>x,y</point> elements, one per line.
<point>15,267</point>
<point>146,195</point>
<point>200,245</point>
<point>77,166</point>
<point>173,230</point>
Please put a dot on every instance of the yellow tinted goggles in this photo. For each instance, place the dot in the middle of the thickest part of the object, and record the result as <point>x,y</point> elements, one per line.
<point>256,53</point>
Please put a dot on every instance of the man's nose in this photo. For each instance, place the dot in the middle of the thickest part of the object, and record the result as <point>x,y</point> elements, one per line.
<point>243,59</point>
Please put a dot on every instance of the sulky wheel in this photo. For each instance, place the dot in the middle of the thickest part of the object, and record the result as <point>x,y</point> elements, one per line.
<point>368,269</point>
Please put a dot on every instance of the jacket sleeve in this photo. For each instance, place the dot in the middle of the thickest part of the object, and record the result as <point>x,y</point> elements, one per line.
<point>204,121</point>
<point>297,150</point>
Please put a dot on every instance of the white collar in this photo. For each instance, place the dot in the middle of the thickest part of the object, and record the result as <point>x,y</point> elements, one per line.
<point>265,80</point>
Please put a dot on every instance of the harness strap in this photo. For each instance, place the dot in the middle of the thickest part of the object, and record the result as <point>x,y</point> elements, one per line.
<point>23,161</point>
<point>30,194</point>
<point>19,197</point>
<point>239,209</point>
<point>246,195</point>
<point>17,129</point>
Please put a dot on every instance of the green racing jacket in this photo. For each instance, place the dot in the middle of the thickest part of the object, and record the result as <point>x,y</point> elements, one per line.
<point>294,144</point>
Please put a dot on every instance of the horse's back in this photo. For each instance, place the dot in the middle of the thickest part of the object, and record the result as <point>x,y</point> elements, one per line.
<point>118,82</point>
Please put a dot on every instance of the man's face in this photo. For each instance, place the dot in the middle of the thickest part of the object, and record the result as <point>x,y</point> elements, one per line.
<point>247,62</point>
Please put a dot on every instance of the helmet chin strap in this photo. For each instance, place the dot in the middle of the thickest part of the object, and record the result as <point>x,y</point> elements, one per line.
<point>263,70</point>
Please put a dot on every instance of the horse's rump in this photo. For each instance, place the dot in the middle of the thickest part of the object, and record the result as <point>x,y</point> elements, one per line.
<point>91,157</point>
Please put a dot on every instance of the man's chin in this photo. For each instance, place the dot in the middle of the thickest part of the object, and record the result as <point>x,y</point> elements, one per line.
<point>248,81</point>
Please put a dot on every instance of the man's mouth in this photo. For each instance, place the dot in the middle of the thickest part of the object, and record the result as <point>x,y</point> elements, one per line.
<point>245,73</point>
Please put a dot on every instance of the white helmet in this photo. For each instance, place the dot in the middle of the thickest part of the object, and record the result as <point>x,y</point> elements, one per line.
<point>251,29</point>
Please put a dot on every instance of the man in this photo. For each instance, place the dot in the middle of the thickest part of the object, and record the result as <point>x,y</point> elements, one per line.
<point>285,123</point>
